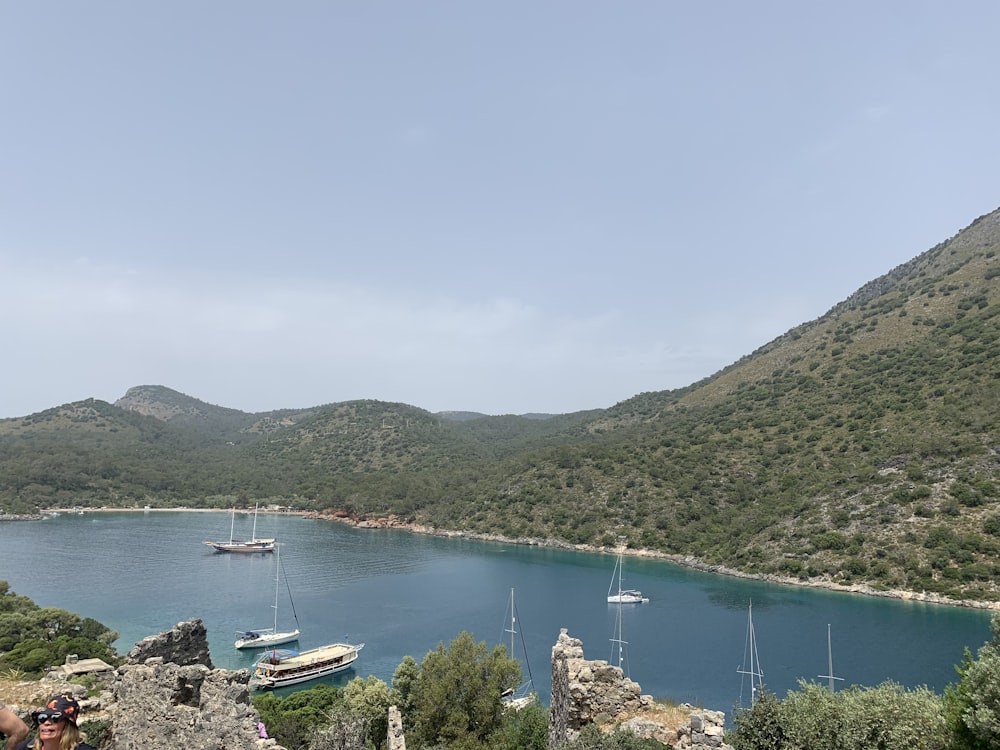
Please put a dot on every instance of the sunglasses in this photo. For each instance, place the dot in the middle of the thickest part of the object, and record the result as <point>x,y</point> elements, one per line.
<point>54,717</point>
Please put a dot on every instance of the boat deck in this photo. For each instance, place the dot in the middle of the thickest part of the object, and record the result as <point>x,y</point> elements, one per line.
<point>286,659</point>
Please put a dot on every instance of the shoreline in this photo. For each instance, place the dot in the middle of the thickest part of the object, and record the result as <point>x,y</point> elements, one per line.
<point>686,561</point>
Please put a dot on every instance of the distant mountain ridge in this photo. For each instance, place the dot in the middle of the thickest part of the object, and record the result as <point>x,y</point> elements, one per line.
<point>858,448</point>
<point>166,404</point>
<point>169,405</point>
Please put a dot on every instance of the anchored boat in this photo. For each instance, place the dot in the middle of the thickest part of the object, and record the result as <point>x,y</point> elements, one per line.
<point>280,667</point>
<point>236,545</point>
<point>267,637</point>
<point>623,596</point>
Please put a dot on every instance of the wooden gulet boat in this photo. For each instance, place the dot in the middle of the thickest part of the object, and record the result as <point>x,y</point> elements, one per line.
<point>237,545</point>
<point>280,667</point>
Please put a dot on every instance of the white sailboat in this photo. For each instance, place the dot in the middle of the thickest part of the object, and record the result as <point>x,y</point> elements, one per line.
<point>751,662</point>
<point>523,695</point>
<point>267,637</point>
<point>623,596</point>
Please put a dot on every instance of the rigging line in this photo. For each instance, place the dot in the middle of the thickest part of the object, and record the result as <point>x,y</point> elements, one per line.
<point>524,648</point>
<point>506,627</point>
<point>281,564</point>
<point>509,627</point>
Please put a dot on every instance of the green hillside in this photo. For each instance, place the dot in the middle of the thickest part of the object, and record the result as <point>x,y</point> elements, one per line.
<point>859,447</point>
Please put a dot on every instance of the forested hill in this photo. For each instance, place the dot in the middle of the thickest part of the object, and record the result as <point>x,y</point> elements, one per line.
<point>861,446</point>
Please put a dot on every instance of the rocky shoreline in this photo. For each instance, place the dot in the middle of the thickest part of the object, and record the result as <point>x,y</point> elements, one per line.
<point>391,522</point>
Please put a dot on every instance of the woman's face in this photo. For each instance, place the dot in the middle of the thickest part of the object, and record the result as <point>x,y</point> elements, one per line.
<point>50,730</point>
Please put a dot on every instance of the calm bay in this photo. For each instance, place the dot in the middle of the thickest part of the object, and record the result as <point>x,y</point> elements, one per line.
<point>403,594</point>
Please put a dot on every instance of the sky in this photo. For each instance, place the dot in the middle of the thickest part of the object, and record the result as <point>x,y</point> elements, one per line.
<point>503,207</point>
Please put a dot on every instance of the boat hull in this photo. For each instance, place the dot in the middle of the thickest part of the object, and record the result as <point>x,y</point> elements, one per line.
<point>258,545</point>
<point>280,668</point>
<point>628,597</point>
<point>266,639</point>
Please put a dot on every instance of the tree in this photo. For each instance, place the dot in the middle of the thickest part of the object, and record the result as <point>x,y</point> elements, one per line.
<point>972,707</point>
<point>455,699</point>
<point>403,680</point>
<point>296,719</point>
<point>760,727</point>
<point>344,730</point>
<point>527,729</point>
<point>33,639</point>
<point>369,700</point>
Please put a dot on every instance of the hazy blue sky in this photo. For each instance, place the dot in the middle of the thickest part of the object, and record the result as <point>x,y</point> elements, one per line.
<point>503,207</point>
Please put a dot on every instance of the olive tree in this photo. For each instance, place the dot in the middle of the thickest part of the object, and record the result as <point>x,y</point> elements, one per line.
<point>887,717</point>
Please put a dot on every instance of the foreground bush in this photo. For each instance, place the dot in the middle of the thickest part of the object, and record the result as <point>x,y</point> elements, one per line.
<point>972,706</point>
<point>887,717</point>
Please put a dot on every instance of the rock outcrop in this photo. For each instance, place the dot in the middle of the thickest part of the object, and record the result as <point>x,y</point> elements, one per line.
<point>160,704</point>
<point>595,692</point>
<point>186,643</point>
<point>168,695</point>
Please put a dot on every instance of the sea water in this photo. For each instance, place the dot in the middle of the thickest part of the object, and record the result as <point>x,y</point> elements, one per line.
<point>402,594</point>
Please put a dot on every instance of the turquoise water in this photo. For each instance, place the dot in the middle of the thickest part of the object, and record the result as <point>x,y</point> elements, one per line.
<point>402,594</point>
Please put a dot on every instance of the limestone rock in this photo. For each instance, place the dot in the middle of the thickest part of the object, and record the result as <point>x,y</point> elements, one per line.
<point>186,643</point>
<point>595,692</point>
<point>165,705</point>
<point>167,695</point>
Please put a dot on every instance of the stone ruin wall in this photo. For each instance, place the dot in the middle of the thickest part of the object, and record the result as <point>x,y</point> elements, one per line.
<point>595,692</point>
<point>396,738</point>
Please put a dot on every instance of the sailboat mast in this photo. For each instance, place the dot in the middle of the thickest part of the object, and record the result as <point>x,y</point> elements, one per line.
<point>232,525</point>
<point>619,639</point>
<point>754,672</point>
<point>277,583</point>
<point>829,660</point>
<point>254,537</point>
<point>513,618</point>
<point>829,655</point>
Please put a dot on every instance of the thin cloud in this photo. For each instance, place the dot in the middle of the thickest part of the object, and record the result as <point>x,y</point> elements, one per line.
<point>246,336</point>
